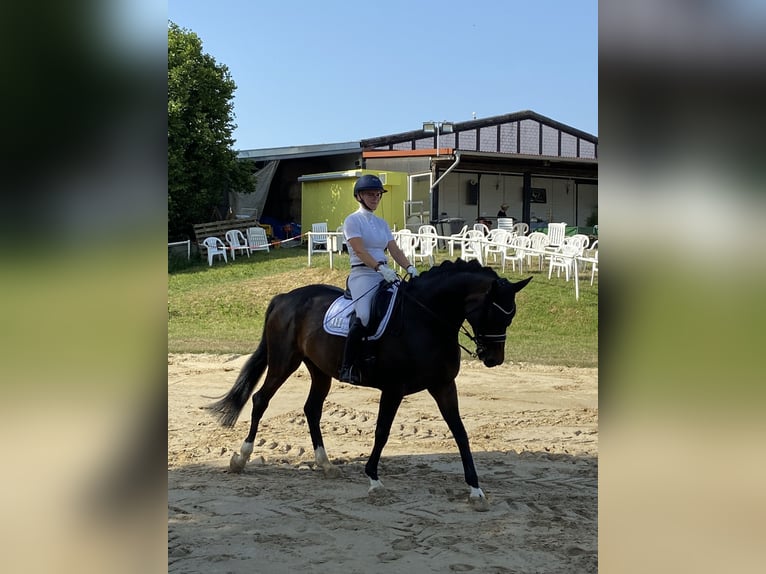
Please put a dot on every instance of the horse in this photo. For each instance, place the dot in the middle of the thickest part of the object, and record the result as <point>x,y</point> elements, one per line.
<point>422,353</point>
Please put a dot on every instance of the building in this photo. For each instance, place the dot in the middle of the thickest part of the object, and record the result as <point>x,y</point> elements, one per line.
<point>544,170</point>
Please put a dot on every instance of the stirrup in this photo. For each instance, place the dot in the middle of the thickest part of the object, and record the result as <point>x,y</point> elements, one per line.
<point>350,375</point>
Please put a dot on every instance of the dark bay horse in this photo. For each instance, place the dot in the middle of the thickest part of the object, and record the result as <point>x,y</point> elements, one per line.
<point>423,353</point>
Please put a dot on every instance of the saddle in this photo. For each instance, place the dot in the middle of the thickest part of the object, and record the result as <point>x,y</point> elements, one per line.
<point>384,304</point>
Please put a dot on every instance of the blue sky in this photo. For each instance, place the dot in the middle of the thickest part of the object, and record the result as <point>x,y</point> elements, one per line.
<point>331,71</point>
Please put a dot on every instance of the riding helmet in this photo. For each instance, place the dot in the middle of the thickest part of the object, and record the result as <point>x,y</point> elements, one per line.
<point>368,182</point>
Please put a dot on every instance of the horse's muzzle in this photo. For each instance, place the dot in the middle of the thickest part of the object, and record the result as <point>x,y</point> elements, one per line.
<point>490,359</point>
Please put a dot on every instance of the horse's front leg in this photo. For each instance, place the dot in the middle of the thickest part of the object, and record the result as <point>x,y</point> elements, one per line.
<point>389,404</point>
<point>446,399</point>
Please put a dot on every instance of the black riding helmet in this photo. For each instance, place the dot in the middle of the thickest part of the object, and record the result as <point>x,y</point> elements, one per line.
<point>367,182</point>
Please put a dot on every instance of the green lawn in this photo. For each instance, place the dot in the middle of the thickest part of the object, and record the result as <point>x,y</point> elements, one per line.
<point>220,309</point>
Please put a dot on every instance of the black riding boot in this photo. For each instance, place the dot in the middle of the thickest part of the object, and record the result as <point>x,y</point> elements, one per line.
<point>349,372</point>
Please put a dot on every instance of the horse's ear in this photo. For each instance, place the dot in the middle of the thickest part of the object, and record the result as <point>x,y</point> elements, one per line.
<point>521,284</point>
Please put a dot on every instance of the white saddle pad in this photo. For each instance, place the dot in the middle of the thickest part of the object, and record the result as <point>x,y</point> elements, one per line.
<point>337,318</point>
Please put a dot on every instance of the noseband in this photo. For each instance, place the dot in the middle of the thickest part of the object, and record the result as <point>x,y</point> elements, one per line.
<point>482,339</point>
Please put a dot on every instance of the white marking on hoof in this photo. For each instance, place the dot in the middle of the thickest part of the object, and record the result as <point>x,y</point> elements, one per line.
<point>239,459</point>
<point>477,500</point>
<point>236,463</point>
<point>374,485</point>
<point>329,469</point>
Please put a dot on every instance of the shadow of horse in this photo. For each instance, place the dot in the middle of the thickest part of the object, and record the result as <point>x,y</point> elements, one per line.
<point>544,515</point>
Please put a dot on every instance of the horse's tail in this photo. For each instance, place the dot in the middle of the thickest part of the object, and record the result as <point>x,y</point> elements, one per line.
<point>228,408</point>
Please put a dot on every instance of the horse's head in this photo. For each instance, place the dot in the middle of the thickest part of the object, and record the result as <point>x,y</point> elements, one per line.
<point>490,315</point>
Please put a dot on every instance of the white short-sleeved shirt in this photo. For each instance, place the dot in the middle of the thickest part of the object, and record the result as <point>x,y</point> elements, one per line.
<point>373,230</point>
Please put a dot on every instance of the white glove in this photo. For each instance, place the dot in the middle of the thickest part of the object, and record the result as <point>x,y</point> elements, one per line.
<point>412,271</point>
<point>388,274</point>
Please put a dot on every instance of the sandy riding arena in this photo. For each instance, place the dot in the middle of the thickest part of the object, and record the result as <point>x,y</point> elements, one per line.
<point>534,436</point>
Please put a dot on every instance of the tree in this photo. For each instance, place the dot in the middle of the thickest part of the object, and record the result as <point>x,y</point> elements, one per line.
<point>202,164</point>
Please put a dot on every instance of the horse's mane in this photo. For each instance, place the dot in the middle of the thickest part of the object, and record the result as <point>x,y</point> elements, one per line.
<point>452,267</point>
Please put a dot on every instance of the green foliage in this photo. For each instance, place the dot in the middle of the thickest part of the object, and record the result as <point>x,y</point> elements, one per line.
<point>202,164</point>
<point>220,309</point>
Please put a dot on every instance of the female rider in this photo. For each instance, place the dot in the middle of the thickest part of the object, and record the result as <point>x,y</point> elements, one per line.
<point>368,236</point>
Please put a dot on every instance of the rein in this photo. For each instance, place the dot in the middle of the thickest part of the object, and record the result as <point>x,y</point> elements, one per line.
<point>474,339</point>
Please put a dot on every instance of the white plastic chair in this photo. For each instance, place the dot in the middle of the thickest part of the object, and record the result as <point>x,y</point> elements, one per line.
<point>257,240</point>
<point>481,227</point>
<point>556,238</point>
<point>563,259</point>
<point>505,223</point>
<point>318,243</point>
<point>594,267</point>
<point>496,243</point>
<point>472,246</point>
<point>407,242</point>
<point>456,238</point>
<point>581,239</point>
<point>556,234</point>
<point>340,240</point>
<point>214,247</point>
<point>521,228</point>
<point>515,252</point>
<point>591,256</point>
<point>537,241</point>
<point>427,230</point>
<point>237,242</point>
<point>426,244</point>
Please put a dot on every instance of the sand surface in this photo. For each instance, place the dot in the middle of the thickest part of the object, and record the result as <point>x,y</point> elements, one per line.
<point>534,436</point>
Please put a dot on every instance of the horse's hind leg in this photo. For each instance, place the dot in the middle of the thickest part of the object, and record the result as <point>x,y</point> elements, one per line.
<point>446,399</point>
<point>274,380</point>
<point>320,387</point>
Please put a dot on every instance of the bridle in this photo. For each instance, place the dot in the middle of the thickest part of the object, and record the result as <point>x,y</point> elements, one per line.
<point>479,339</point>
<point>482,339</point>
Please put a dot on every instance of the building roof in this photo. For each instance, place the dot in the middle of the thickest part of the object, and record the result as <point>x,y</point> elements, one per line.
<point>481,123</point>
<point>525,133</point>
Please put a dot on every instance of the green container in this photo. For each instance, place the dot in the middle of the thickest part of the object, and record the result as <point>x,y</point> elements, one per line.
<point>329,197</point>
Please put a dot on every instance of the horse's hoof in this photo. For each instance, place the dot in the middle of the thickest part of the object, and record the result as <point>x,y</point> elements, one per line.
<point>237,463</point>
<point>332,472</point>
<point>376,488</point>
<point>479,503</point>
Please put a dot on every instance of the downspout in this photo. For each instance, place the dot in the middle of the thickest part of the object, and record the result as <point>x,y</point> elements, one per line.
<point>449,169</point>
<point>434,184</point>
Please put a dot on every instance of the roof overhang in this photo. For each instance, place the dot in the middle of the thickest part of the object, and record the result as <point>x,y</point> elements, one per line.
<point>554,166</point>
<point>487,155</point>
<point>408,153</point>
<point>295,152</point>
<point>538,165</point>
<point>491,162</point>
<point>331,175</point>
